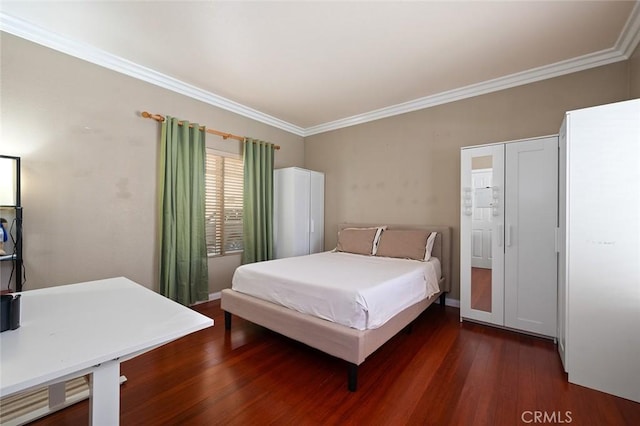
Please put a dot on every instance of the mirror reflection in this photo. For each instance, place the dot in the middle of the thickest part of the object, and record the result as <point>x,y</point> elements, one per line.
<point>481,223</point>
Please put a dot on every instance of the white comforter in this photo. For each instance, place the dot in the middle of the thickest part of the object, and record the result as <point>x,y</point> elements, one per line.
<point>361,292</point>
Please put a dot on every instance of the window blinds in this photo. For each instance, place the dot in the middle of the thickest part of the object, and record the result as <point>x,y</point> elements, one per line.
<point>223,203</point>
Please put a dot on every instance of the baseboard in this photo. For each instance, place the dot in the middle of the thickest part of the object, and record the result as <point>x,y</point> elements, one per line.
<point>455,303</point>
<point>212,296</point>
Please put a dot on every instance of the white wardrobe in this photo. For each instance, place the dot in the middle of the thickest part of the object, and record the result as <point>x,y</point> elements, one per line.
<point>599,262</point>
<point>298,212</point>
<point>508,224</point>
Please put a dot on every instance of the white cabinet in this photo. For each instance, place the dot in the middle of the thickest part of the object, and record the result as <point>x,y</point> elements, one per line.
<point>298,212</point>
<point>508,224</point>
<point>599,263</point>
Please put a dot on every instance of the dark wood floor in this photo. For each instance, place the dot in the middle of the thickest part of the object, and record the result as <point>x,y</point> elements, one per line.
<point>443,373</point>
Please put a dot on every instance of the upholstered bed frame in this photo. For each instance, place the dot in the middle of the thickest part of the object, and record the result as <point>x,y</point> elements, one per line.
<point>349,344</point>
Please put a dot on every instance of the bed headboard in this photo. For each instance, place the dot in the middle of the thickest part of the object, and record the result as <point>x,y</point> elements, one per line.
<point>441,247</point>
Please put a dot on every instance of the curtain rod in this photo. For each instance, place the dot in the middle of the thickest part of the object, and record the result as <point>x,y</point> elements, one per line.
<point>225,136</point>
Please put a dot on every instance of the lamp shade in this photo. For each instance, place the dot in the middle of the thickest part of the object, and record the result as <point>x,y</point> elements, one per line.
<point>9,180</point>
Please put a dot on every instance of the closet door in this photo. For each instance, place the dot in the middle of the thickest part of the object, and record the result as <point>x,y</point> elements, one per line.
<point>481,234</point>
<point>562,245</point>
<point>603,248</point>
<point>316,212</point>
<point>291,212</point>
<point>300,212</point>
<point>531,215</point>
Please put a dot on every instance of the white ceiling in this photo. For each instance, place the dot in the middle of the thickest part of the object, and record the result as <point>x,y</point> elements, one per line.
<point>309,67</point>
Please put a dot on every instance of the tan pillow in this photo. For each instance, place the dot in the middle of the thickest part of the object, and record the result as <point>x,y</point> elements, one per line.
<point>406,244</point>
<point>358,240</point>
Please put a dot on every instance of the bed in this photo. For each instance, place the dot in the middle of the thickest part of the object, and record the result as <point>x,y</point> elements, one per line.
<point>359,337</point>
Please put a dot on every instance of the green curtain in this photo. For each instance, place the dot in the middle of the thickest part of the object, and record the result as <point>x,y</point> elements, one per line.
<point>183,248</point>
<point>257,214</point>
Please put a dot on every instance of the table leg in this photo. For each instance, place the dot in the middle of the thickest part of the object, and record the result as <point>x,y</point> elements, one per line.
<point>104,397</point>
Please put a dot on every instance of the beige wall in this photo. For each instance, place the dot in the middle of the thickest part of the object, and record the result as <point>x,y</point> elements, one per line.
<point>90,161</point>
<point>484,162</point>
<point>406,169</point>
<point>90,164</point>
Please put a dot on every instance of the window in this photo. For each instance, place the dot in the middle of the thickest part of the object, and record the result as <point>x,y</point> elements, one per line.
<point>223,203</point>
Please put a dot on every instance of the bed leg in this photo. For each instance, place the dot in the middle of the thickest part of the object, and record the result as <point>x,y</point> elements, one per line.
<point>227,320</point>
<point>352,382</point>
<point>442,299</point>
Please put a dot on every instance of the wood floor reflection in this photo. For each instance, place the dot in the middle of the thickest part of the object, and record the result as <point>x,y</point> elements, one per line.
<point>481,289</point>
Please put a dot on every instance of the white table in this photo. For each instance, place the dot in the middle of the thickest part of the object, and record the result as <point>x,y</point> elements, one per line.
<point>73,330</point>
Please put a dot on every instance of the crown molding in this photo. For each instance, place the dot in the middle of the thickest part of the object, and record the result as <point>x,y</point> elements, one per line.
<point>36,34</point>
<point>630,34</point>
<point>625,45</point>
<point>604,57</point>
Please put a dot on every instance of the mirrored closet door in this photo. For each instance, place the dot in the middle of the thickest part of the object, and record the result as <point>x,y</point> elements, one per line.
<point>481,228</point>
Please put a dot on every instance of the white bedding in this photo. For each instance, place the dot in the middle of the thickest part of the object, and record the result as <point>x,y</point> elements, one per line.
<point>361,292</point>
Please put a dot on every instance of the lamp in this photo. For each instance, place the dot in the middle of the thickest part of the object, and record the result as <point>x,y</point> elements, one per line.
<point>9,181</point>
